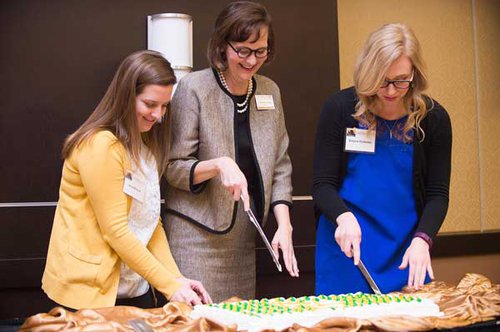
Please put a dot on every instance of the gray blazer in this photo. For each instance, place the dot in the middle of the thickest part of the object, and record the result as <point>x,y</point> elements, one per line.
<point>202,128</point>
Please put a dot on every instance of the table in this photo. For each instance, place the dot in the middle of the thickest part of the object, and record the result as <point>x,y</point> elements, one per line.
<point>471,305</point>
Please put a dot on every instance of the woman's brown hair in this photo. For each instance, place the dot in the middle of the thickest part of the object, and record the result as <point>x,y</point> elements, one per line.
<point>237,22</point>
<point>116,110</point>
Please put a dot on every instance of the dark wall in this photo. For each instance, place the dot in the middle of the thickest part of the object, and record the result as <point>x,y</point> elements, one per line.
<point>57,58</point>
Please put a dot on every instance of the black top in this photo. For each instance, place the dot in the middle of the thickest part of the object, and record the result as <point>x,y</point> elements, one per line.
<point>431,161</point>
<point>245,156</point>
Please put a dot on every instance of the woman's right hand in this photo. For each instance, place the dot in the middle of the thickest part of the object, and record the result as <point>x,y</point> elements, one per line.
<point>233,180</point>
<point>348,235</point>
<point>191,292</point>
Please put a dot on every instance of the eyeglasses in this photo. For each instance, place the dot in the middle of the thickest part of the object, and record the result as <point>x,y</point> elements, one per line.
<point>245,52</point>
<point>398,84</point>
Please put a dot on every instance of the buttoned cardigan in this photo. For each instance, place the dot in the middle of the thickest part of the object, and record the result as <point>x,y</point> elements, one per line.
<point>90,235</point>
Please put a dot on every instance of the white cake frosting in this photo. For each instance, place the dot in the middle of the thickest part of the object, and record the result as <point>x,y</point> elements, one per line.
<point>280,313</point>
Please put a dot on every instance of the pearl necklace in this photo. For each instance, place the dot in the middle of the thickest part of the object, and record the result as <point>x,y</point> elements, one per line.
<point>240,107</point>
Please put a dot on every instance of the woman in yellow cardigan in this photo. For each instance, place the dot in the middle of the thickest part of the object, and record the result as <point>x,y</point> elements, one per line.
<point>107,243</point>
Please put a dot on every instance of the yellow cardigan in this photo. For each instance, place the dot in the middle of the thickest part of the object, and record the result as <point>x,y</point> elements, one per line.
<point>90,235</point>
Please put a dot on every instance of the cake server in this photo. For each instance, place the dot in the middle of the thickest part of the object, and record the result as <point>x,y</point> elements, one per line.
<point>368,278</point>
<point>254,221</point>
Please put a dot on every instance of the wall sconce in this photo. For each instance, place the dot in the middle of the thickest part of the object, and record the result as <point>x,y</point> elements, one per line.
<point>171,34</point>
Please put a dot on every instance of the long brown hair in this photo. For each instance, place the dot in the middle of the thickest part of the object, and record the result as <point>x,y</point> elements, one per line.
<point>382,48</point>
<point>237,22</point>
<point>116,110</point>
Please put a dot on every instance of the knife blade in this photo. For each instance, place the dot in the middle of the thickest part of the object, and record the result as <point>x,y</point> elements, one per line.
<point>254,221</point>
<point>369,278</point>
<point>139,325</point>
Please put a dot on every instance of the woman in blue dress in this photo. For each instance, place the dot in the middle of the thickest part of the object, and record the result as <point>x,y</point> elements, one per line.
<point>382,166</point>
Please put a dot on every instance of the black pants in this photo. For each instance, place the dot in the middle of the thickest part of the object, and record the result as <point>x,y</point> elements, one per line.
<point>145,301</point>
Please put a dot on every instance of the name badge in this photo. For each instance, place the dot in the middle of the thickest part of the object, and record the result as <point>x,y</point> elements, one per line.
<point>359,140</point>
<point>134,186</point>
<point>264,102</point>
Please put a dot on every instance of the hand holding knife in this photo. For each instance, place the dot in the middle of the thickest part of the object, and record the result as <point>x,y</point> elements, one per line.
<point>347,226</point>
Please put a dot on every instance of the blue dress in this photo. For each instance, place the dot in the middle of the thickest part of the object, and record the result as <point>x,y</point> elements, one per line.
<point>378,190</point>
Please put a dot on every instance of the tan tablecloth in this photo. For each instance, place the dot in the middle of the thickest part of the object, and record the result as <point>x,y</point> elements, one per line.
<point>474,299</point>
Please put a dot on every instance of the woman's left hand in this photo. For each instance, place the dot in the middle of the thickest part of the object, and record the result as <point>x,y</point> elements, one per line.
<point>283,239</point>
<point>418,257</point>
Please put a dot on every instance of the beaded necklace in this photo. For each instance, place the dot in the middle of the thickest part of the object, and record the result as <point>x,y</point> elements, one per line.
<point>240,107</point>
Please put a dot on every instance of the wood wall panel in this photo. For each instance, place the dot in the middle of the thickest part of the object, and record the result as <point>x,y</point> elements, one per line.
<point>58,58</point>
<point>24,232</point>
<point>488,54</point>
<point>22,261</point>
<point>17,304</point>
<point>452,269</point>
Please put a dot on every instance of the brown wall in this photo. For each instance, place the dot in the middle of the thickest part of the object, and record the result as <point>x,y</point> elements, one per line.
<point>451,269</point>
<point>59,56</point>
<point>57,59</point>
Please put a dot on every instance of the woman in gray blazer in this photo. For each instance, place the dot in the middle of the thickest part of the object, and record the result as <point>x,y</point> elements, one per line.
<point>229,140</point>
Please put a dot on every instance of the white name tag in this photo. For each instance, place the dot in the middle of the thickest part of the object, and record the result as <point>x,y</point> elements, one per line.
<point>134,186</point>
<point>359,140</point>
<point>264,102</point>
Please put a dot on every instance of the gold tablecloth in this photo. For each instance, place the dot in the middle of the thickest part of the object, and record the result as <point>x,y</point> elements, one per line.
<point>474,299</point>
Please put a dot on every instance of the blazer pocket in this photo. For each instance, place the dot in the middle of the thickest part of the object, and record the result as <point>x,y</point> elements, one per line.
<point>87,258</point>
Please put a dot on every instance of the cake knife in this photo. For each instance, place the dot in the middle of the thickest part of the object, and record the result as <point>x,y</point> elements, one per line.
<point>139,325</point>
<point>254,221</point>
<point>369,278</point>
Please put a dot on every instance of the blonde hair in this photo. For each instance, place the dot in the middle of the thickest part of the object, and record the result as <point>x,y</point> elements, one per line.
<point>116,111</point>
<point>382,48</point>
